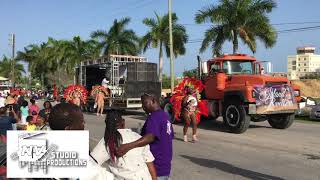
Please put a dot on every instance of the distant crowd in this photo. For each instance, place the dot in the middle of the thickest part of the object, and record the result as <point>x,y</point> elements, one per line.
<point>128,154</point>
<point>18,112</point>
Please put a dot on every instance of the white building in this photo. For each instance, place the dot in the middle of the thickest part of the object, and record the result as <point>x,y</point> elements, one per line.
<point>305,62</point>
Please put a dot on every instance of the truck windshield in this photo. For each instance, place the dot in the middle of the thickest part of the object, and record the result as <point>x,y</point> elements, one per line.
<point>238,67</point>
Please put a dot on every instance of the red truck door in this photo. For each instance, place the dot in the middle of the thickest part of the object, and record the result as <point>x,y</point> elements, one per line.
<point>211,90</point>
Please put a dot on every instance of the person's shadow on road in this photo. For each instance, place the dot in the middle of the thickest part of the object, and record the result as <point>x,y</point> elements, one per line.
<point>229,168</point>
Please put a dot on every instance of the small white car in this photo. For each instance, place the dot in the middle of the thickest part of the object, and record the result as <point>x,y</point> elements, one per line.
<point>305,106</point>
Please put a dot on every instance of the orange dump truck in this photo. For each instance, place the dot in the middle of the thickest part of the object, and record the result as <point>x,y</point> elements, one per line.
<point>239,89</point>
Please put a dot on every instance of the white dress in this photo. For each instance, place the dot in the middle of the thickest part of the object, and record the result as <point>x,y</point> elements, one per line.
<point>192,98</point>
<point>96,172</point>
<point>2,101</point>
<point>132,166</point>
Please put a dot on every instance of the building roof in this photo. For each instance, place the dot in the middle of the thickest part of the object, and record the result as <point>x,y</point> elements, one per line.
<point>306,47</point>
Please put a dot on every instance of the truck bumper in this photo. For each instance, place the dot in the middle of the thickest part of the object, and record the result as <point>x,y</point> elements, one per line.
<point>252,109</point>
<point>127,103</point>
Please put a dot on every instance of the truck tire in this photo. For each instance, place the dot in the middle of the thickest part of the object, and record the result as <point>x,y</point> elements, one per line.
<point>281,121</point>
<point>213,114</point>
<point>235,117</point>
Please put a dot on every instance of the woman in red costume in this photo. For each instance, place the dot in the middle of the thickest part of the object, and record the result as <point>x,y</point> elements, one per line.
<point>76,94</point>
<point>189,105</point>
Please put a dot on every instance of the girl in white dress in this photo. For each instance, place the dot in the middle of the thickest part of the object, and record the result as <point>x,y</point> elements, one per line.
<point>137,164</point>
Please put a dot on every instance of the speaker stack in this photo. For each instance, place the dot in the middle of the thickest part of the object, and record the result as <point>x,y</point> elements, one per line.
<point>142,71</point>
<point>142,78</point>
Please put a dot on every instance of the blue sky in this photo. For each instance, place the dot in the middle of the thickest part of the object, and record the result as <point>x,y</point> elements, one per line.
<point>33,21</point>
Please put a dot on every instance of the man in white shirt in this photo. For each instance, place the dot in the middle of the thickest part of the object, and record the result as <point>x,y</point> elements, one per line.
<point>105,83</point>
<point>136,164</point>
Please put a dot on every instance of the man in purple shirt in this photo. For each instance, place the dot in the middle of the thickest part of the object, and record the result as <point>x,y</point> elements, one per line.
<point>157,131</point>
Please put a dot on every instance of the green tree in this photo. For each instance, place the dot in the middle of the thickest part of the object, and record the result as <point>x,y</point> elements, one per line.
<point>39,61</point>
<point>6,69</point>
<point>58,60</point>
<point>158,37</point>
<point>80,50</point>
<point>234,19</point>
<point>166,82</point>
<point>191,73</point>
<point>54,59</point>
<point>118,40</point>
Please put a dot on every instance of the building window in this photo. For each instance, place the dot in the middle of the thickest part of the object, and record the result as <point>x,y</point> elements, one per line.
<point>299,59</point>
<point>293,67</point>
<point>305,58</point>
<point>305,70</point>
<point>294,62</point>
<point>305,64</point>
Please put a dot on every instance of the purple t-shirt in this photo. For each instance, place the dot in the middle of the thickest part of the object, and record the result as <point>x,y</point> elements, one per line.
<point>159,125</point>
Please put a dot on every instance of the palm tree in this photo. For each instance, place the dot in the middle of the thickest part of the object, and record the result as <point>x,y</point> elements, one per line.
<point>234,19</point>
<point>80,50</point>
<point>6,67</point>
<point>58,55</point>
<point>54,58</point>
<point>158,37</point>
<point>118,40</point>
<point>38,59</point>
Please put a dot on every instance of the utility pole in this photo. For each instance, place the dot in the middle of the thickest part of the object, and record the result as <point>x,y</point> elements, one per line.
<point>13,44</point>
<point>171,46</point>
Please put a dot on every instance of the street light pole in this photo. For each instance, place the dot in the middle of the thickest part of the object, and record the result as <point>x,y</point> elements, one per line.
<point>13,43</point>
<point>171,46</point>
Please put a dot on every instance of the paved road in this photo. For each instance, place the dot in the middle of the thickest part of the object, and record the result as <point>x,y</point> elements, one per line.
<point>261,153</point>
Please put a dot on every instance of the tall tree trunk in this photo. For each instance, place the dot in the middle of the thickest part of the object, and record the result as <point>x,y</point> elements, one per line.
<point>59,76</point>
<point>235,42</point>
<point>42,81</point>
<point>160,63</point>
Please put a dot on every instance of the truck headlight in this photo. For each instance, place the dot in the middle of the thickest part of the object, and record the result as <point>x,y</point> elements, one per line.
<point>296,93</point>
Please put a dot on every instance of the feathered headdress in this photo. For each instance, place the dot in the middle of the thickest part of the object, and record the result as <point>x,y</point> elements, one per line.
<point>180,91</point>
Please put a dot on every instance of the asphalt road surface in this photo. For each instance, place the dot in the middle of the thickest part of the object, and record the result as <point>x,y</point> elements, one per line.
<point>261,153</point>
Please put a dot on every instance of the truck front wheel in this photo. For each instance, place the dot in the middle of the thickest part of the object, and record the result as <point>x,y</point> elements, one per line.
<point>235,117</point>
<point>281,121</point>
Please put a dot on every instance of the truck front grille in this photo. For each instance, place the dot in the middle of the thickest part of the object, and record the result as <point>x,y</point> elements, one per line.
<point>275,83</point>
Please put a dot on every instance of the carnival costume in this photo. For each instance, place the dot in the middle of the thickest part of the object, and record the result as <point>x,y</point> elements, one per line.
<point>76,94</point>
<point>96,89</point>
<point>176,100</point>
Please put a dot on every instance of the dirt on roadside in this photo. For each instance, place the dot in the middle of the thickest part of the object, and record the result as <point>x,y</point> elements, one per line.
<point>309,87</point>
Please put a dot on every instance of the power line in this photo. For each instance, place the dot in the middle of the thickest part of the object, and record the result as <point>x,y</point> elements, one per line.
<point>274,24</point>
<point>190,24</point>
<point>139,5</point>
<point>299,29</point>
<point>127,5</point>
<point>291,23</point>
<point>309,28</point>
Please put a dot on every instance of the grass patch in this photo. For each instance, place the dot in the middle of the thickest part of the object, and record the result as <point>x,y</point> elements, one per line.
<point>306,120</point>
<point>317,100</point>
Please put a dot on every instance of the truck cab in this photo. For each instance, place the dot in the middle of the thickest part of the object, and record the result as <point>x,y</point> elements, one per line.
<point>239,88</point>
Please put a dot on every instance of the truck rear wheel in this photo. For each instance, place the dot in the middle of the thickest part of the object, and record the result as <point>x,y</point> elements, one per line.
<point>281,121</point>
<point>235,117</point>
